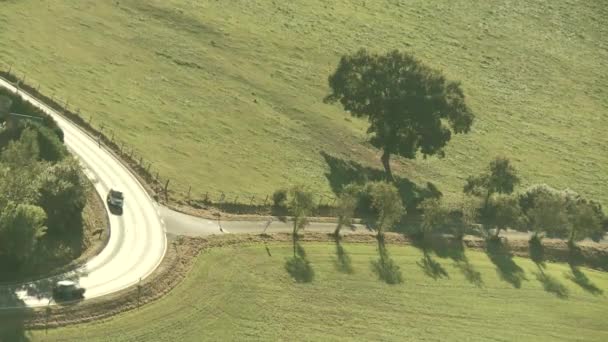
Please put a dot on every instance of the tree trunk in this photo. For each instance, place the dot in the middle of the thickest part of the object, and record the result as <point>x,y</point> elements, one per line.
<point>386,157</point>
<point>571,238</point>
<point>486,203</point>
<point>338,227</point>
<point>497,231</point>
<point>294,235</point>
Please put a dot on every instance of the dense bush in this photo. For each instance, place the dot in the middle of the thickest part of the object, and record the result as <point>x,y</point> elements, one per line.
<point>40,184</point>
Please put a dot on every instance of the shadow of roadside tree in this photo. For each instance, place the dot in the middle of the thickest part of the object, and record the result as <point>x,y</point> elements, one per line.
<point>343,260</point>
<point>551,284</point>
<point>449,248</point>
<point>298,266</point>
<point>501,257</point>
<point>537,251</point>
<point>580,279</point>
<point>385,267</point>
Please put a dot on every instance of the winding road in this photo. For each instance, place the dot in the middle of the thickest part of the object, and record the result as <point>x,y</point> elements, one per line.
<point>137,240</point>
<point>138,237</point>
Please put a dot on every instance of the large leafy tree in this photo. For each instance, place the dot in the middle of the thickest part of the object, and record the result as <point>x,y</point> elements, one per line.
<point>410,106</point>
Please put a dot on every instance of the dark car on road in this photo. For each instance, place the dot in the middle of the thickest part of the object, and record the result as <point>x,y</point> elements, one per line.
<point>115,199</point>
<point>67,290</point>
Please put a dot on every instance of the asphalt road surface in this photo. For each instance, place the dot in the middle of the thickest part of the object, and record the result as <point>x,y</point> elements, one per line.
<point>137,240</point>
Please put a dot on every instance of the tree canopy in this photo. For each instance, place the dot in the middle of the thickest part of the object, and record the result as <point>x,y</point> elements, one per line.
<point>40,187</point>
<point>386,203</point>
<point>411,107</point>
<point>500,178</point>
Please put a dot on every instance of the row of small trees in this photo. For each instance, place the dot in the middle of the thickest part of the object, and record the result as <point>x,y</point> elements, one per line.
<point>492,206</point>
<point>42,188</point>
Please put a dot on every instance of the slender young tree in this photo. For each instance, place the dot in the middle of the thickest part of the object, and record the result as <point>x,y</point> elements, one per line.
<point>386,203</point>
<point>347,203</point>
<point>410,107</point>
<point>300,205</point>
<point>500,178</point>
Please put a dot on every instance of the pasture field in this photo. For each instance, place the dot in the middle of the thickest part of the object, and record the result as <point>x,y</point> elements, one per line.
<point>227,95</point>
<point>246,293</point>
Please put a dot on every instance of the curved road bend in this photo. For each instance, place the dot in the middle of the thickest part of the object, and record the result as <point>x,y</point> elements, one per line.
<point>137,240</point>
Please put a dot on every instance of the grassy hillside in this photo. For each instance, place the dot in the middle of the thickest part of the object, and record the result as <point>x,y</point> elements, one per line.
<point>242,293</point>
<point>227,95</point>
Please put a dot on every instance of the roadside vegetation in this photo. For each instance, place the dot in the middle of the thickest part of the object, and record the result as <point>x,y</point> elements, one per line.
<point>43,195</point>
<point>231,98</point>
<point>244,293</point>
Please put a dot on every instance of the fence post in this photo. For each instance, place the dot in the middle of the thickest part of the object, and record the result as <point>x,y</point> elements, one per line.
<point>251,202</point>
<point>167,190</point>
<point>222,197</point>
<point>189,190</point>
<point>207,197</point>
<point>38,88</point>
<point>157,176</point>
<point>112,136</point>
<point>266,200</point>
<point>236,198</point>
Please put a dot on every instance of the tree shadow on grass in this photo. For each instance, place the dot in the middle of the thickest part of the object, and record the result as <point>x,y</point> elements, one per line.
<point>343,172</point>
<point>298,266</point>
<point>343,260</point>
<point>448,248</point>
<point>431,267</point>
<point>501,257</point>
<point>385,267</point>
<point>551,284</point>
<point>580,279</point>
<point>537,251</point>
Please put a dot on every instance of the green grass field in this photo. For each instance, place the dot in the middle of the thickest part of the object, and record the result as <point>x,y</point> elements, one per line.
<point>242,294</point>
<point>227,96</point>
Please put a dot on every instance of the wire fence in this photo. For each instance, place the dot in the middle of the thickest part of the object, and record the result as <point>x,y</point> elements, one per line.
<point>163,189</point>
